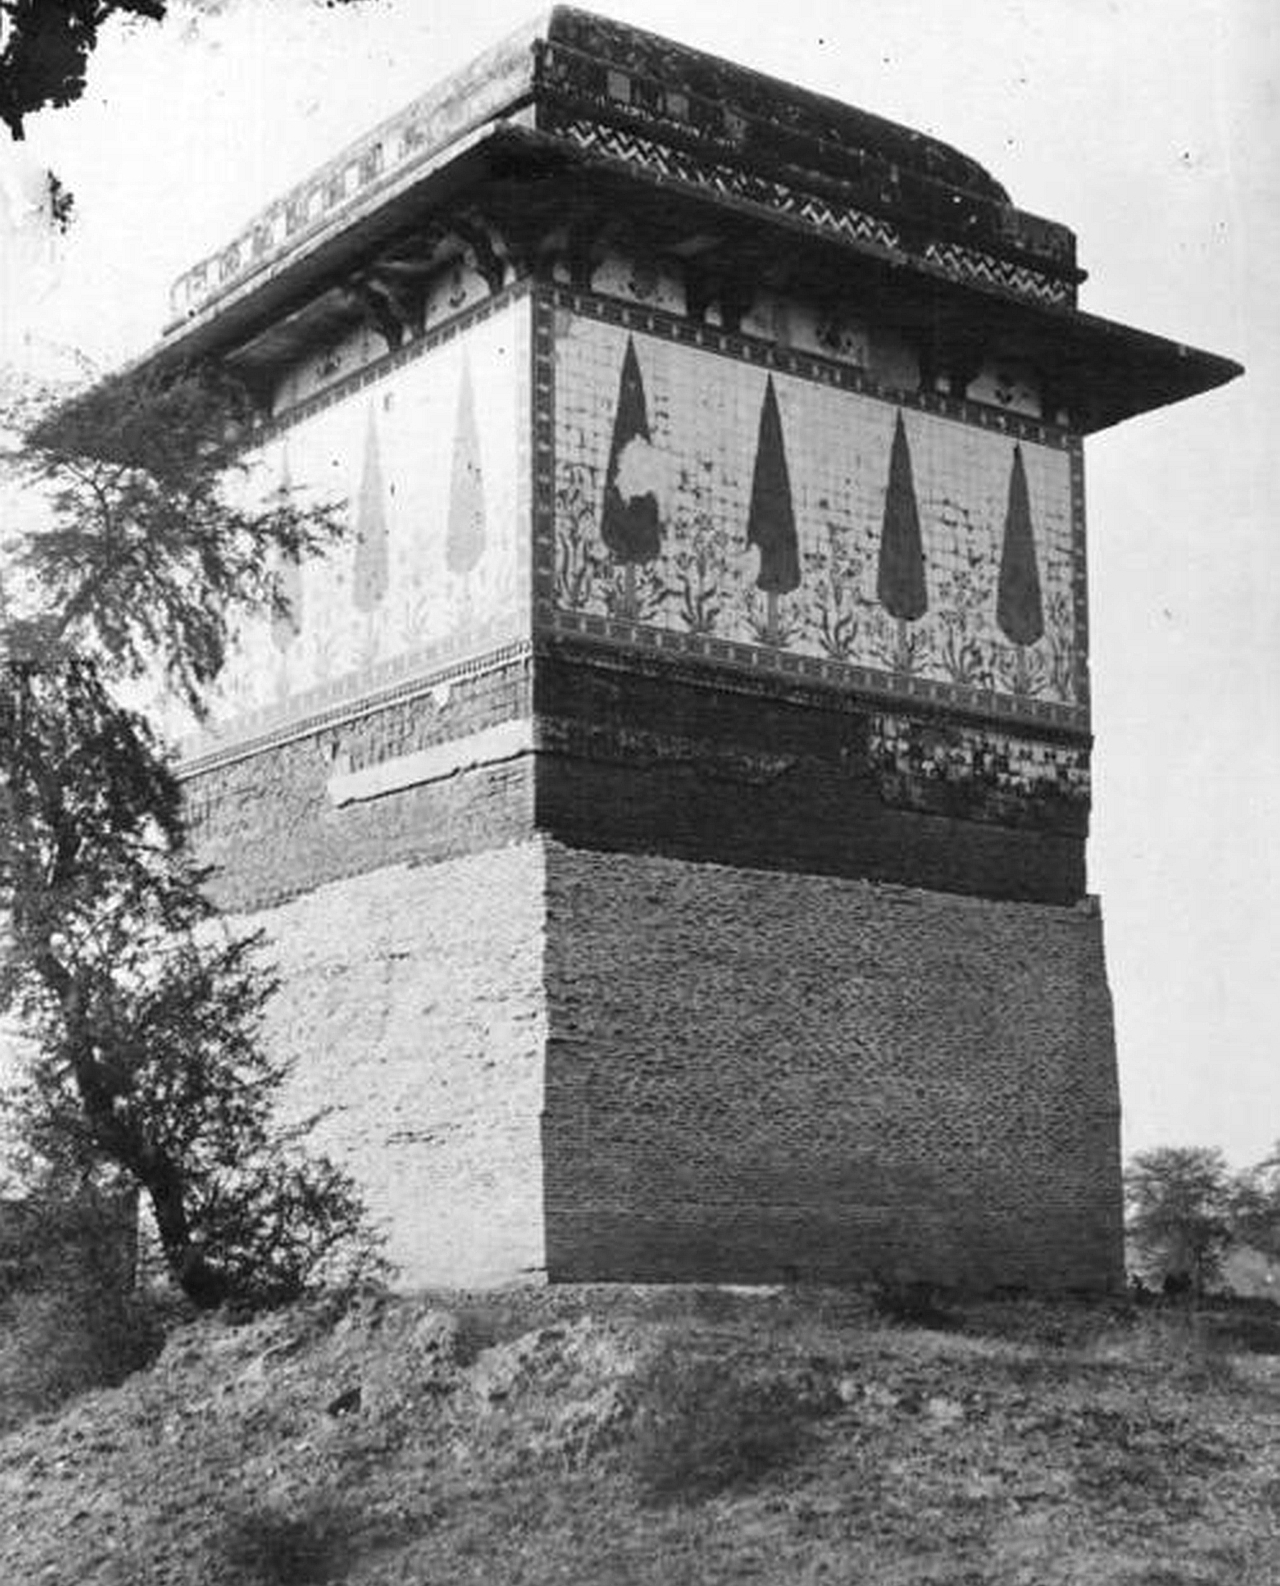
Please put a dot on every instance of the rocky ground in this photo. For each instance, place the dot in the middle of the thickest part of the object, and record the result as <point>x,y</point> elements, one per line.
<point>670,1436</point>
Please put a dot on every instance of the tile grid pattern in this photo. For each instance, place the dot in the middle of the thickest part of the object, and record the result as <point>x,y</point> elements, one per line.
<point>588,408</point>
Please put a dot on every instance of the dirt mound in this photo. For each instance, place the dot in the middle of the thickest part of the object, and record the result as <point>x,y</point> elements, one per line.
<point>646,1438</point>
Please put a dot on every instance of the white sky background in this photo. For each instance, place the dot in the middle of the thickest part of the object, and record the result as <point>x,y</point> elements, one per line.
<point>1151,127</point>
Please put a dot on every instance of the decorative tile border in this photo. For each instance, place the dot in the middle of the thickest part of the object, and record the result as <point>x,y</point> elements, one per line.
<point>867,681</point>
<point>1080,564</point>
<point>953,259</point>
<point>618,76</point>
<point>651,658</point>
<point>543,387</point>
<point>807,366</point>
<point>607,79</point>
<point>321,717</point>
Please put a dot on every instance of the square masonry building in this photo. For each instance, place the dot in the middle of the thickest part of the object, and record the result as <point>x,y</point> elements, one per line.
<point>668,806</point>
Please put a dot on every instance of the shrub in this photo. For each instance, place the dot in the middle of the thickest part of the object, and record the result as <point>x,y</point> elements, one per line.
<point>70,1320</point>
<point>701,1428</point>
<point>266,1544</point>
<point>913,1304</point>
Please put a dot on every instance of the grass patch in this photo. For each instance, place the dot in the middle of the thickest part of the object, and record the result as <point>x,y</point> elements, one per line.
<point>1182,1347</point>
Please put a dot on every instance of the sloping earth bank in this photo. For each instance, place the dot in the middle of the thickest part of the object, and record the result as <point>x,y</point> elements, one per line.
<point>665,1436</point>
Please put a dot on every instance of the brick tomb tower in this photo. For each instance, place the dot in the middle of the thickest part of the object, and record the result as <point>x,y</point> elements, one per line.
<point>669,805</point>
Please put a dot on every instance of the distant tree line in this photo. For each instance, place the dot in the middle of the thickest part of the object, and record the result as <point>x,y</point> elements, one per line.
<point>1187,1210</point>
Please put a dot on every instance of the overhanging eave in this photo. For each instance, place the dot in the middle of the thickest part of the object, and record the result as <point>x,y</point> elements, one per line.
<point>1097,371</point>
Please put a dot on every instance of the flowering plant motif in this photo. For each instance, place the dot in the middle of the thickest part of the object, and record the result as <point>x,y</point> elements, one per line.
<point>578,565</point>
<point>699,566</point>
<point>837,605</point>
<point>417,620</point>
<point>964,596</point>
<point>1062,655</point>
<point>322,656</point>
<point>897,644</point>
<point>965,658</point>
<point>633,592</point>
<point>1021,670</point>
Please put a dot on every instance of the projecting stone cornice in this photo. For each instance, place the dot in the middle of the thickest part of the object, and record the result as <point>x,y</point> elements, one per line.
<point>521,165</point>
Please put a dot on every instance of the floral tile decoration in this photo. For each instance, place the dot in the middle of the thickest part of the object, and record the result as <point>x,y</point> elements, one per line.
<point>779,515</point>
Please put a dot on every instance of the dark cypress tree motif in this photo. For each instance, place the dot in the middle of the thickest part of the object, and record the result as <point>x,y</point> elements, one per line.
<point>1019,610</point>
<point>464,540</point>
<point>771,519</point>
<point>286,623</point>
<point>370,574</point>
<point>629,526</point>
<point>900,581</point>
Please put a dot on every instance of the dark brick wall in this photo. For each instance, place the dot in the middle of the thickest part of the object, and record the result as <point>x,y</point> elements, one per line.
<point>759,1077</point>
<point>644,755</point>
<point>668,758</point>
<point>267,822</point>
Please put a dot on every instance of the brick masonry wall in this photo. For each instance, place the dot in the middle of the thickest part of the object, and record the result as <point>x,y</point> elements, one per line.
<point>412,1004</point>
<point>661,757</point>
<point>266,821</point>
<point>758,1077</point>
<point>651,755</point>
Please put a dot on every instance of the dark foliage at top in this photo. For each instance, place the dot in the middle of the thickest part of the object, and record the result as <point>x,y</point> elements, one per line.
<point>45,47</point>
<point>47,44</point>
<point>148,557</point>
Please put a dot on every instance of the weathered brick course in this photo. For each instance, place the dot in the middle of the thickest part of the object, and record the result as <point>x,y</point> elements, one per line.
<point>695,763</point>
<point>265,820</point>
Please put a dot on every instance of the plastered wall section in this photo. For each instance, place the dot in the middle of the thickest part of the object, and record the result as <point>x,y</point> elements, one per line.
<point>423,462</point>
<point>763,1077</point>
<point>412,1003</point>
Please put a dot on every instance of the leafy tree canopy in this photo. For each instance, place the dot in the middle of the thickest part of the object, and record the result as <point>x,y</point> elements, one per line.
<point>149,557</point>
<point>1255,1206</point>
<point>1187,1209</point>
<point>1177,1199</point>
<point>150,1067</point>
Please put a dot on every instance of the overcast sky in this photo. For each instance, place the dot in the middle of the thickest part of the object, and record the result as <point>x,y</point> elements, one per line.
<point>1148,126</point>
